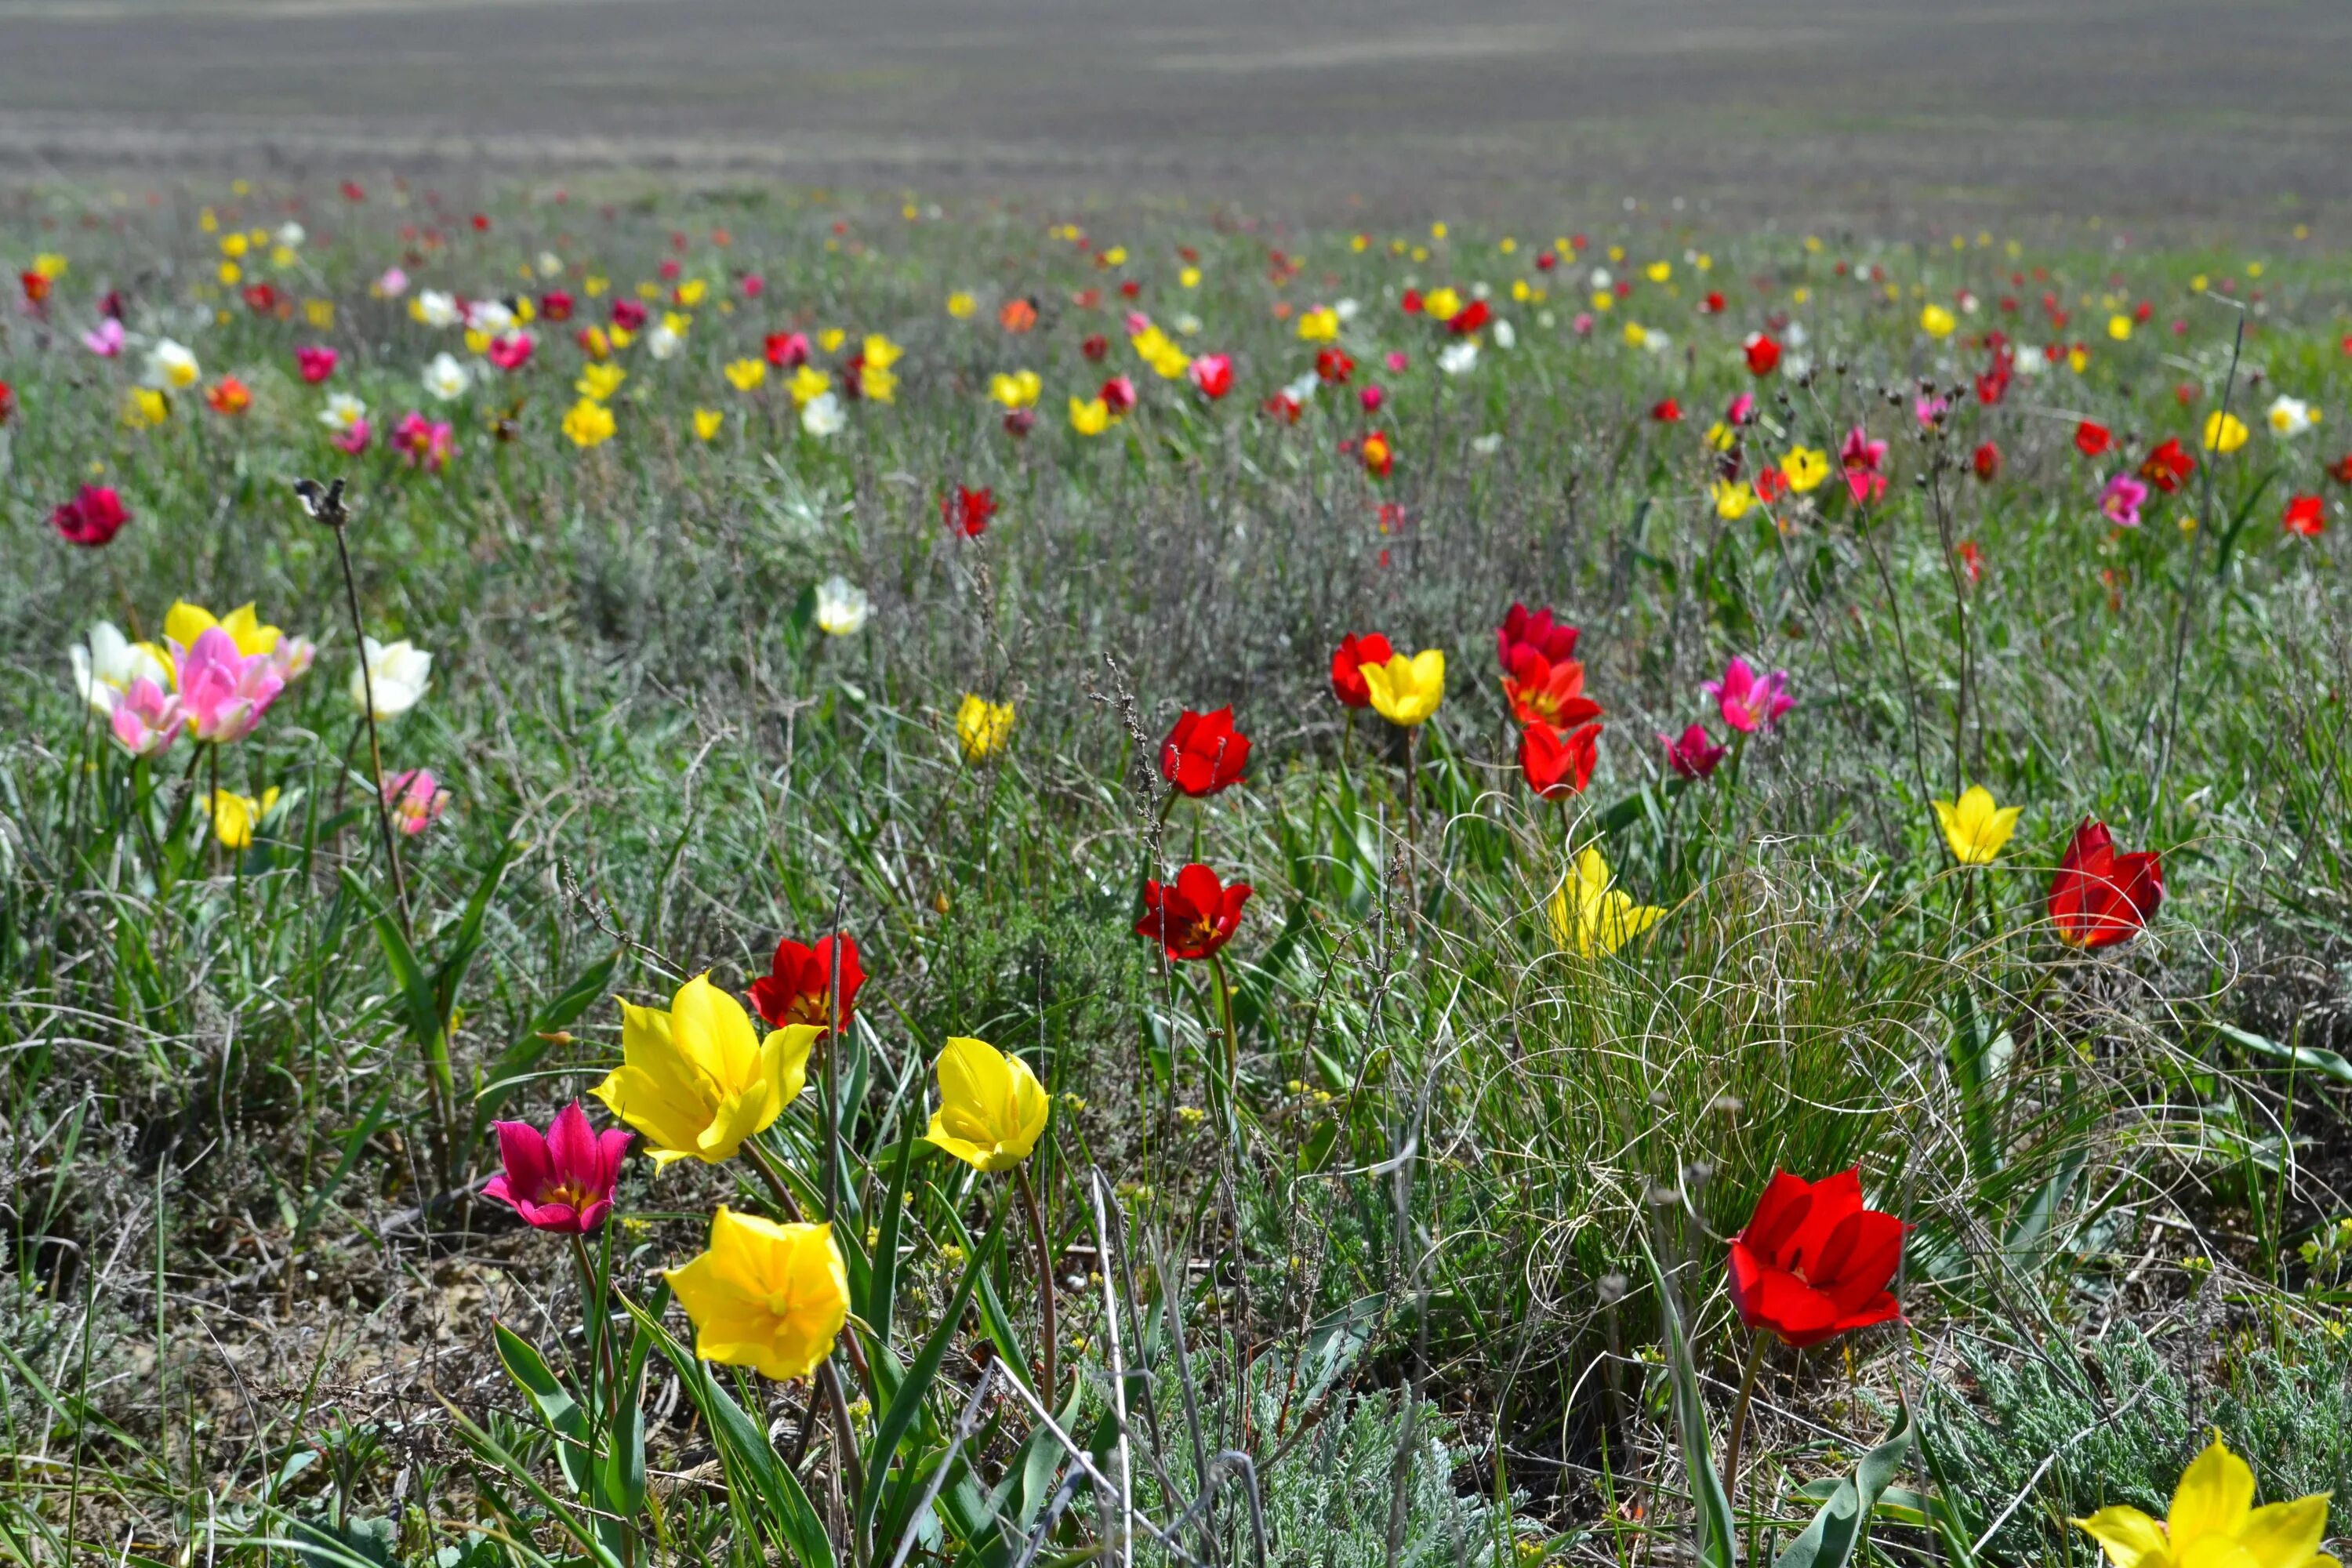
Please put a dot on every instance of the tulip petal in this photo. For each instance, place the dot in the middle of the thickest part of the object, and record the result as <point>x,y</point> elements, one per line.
<point>1779,1214</point>
<point>2132,1540</point>
<point>1834,1197</point>
<point>2285,1534</point>
<point>525,1155</point>
<point>2215,1495</point>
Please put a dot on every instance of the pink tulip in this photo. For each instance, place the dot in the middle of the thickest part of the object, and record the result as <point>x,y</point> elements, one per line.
<point>1371,397</point>
<point>224,692</point>
<point>1396,362</point>
<point>416,799</point>
<point>511,350</point>
<point>353,437</point>
<point>563,1180</point>
<point>1748,703</point>
<point>316,363</point>
<point>1864,462</point>
<point>1695,754</point>
<point>105,340</point>
<point>423,442</point>
<point>1742,410</point>
<point>146,720</point>
<point>2121,500</point>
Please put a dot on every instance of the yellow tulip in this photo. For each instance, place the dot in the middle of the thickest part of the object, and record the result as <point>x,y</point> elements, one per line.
<point>1091,417</point>
<point>808,384</point>
<point>707,422</point>
<point>600,381</point>
<point>1595,916</point>
<point>1974,827</point>
<point>1407,689</point>
<point>831,339</point>
<point>697,1079</point>
<point>1937,321</point>
<point>1806,468</point>
<point>1319,326</point>
<point>982,727</point>
<point>746,374</point>
<point>1732,497</point>
<point>1441,304</point>
<point>991,1108</point>
<point>234,815</point>
<point>2119,327</point>
<point>876,383</point>
<point>184,623</point>
<point>769,1297</point>
<point>1660,270</point>
<point>145,407</point>
<point>589,423</point>
<point>880,352</point>
<point>2225,432</point>
<point>961,305</point>
<point>2213,1521</point>
<point>1018,390</point>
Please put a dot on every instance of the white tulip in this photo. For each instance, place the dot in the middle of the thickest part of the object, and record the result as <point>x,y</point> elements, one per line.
<point>842,607</point>
<point>171,366</point>
<point>436,308</point>
<point>663,341</point>
<point>399,673</point>
<point>342,411</point>
<point>2291,416</point>
<point>822,414</point>
<point>1458,359</point>
<point>446,377</point>
<point>290,235</point>
<point>1505,335</point>
<point>108,664</point>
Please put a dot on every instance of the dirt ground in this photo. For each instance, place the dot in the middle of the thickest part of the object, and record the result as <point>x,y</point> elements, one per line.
<point>2169,115</point>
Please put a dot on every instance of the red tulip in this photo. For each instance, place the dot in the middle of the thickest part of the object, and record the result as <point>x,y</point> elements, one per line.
<point>1559,764</point>
<point>2090,438</point>
<point>968,510</point>
<point>1666,411</point>
<point>1378,456</point>
<point>2307,515</point>
<point>92,518</point>
<point>1348,664</point>
<point>2167,465</point>
<point>1410,303</point>
<point>2100,898</point>
<point>1119,392</point>
<point>1203,752</point>
<point>798,986</point>
<point>1695,754</point>
<point>1812,1263</point>
<point>8,402</point>
<point>555,305</point>
<point>1763,354</point>
<point>1193,916</point>
<point>628,315</point>
<point>1468,319</point>
<point>1096,346</point>
<point>563,1180</point>
<point>1214,374</point>
<point>1543,692</point>
<point>788,351</point>
<point>1988,461</point>
<point>37,287</point>
<point>1334,367</point>
<point>1540,630</point>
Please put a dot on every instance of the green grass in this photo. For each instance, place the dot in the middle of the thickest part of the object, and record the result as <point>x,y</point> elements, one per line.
<point>244,1275</point>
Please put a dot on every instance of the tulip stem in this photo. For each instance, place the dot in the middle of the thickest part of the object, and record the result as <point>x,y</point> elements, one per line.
<point>1411,734</point>
<point>376,743</point>
<point>1740,1417</point>
<point>1045,1275</point>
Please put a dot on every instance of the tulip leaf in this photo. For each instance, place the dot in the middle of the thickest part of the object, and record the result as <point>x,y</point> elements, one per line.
<point>1828,1541</point>
<point>922,1372</point>
<point>2317,1058</point>
<point>791,1522</point>
<point>1717,1532</point>
<point>550,1399</point>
